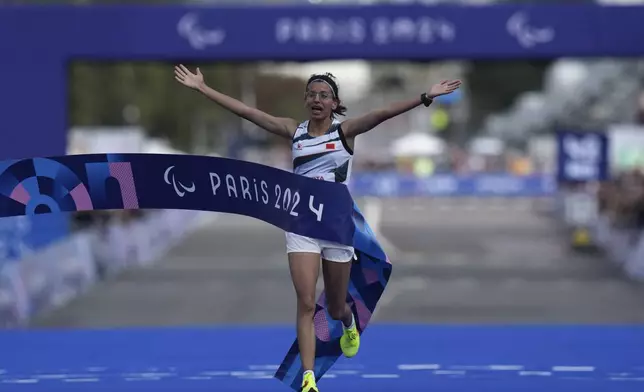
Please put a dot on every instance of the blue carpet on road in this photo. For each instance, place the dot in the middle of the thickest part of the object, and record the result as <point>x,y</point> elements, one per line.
<point>392,358</point>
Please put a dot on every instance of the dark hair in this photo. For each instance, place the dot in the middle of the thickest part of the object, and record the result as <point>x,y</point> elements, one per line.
<point>330,79</point>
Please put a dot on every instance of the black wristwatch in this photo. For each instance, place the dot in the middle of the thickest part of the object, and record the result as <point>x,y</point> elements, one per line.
<point>425,99</point>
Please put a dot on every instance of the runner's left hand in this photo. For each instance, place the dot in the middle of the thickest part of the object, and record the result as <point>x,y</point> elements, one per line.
<point>443,88</point>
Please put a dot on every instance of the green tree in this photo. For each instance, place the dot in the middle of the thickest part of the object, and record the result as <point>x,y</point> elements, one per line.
<point>99,93</point>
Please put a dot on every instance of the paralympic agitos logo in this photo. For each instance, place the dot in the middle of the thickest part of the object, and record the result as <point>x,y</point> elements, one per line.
<point>527,35</point>
<point>198,36</point>
<point>168,176</point>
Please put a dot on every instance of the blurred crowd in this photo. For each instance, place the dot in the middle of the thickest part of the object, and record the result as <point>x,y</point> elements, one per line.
<point>460,161</point>
<point>102,219</point>
<point>622,200</point>
<point>455,160</point>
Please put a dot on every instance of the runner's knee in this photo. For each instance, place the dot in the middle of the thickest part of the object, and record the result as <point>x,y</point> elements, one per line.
<point>306,304</point>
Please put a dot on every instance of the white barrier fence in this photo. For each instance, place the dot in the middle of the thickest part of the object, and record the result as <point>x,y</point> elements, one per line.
<point>48,279</point>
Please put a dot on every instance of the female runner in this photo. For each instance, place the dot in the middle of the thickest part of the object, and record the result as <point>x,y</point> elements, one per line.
<point>322,148</point>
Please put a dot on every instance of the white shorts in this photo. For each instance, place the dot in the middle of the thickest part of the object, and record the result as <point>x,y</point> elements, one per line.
<point>331,251</point>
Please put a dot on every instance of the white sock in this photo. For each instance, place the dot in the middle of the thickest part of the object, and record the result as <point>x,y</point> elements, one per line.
<point>353,323</point>
<point>309,372</point>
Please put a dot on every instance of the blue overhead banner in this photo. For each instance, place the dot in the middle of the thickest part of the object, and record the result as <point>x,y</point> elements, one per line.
<point>582,156</point>
<point>41,40</point>
<point>328,32</point>
<point>40,55</point>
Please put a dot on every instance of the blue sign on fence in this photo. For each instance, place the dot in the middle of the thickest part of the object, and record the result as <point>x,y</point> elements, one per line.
<point>582,156</point>
<point>400,185</point>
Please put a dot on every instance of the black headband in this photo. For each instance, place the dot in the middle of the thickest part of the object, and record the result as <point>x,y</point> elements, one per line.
<point>327,82</point>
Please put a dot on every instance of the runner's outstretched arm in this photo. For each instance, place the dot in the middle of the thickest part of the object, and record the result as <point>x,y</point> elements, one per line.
<point>284,127</point>
<point>359,125</point>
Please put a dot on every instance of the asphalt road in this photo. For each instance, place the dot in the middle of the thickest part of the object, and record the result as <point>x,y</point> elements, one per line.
<point>465,261</point>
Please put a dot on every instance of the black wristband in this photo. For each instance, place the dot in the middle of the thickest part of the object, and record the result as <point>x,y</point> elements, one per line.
<point>425,99</point>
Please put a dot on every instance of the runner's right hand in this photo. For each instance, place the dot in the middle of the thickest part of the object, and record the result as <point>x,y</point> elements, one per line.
<point>187,78</point>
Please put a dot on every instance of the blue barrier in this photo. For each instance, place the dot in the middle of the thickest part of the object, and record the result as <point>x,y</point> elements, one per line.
<point>501,185</point>
<point>22,235</point>
<point>47,278</point>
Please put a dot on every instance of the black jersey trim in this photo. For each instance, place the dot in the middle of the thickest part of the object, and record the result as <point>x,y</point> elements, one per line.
<point>343,139</point>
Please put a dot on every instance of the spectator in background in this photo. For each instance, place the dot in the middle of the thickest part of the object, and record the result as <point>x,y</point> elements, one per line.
<point>640,109</point>
<point>84,220</point>
<point>622,199</point>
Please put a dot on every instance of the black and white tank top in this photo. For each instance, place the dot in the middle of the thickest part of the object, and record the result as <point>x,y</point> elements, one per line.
<point>327,157</point>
